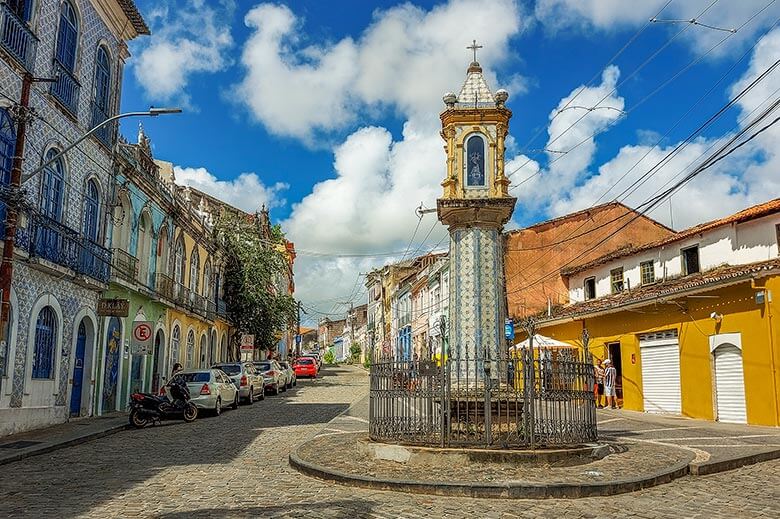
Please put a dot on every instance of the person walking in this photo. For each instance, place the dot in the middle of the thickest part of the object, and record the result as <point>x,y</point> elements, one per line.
<point>610,378</point>
<point>598,386</point>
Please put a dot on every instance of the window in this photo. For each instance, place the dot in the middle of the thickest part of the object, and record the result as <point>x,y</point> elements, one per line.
<point>52,186</point>
<point>7,147</point>
<point>45,344</point>
<point>190,348</point>
<point>162,250</point>
<point>616,278</point>
<point>202,351</point>
<point>91,213</point>
<point>67,36</point>
<point>690,260</point>
<point>590,288</point>
<point>178,262</point>
<point>207,281</point>
<point>144,248</point>
<point>175,341</point>
<point>647,269</point>
<point>5,346</point>
<point>194,270</point>
<point>777,233</point>
<point>101,106</point>
<point>475,161</point>
<point>21,8</point>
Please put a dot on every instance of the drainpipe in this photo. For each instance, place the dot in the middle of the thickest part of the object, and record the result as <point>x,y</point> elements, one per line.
<point>771,345</point>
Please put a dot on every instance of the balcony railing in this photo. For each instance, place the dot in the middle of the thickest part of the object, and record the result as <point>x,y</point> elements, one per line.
<point>197,303</point>
<point>211,309</point>
<point>181,295</point>
<point>59,244</point>
<point>107,133</point>
<point>123,265</point>
<point>66,88</point>
<point>164,286</point>
<point>17,38</point>
<point>221,308</point>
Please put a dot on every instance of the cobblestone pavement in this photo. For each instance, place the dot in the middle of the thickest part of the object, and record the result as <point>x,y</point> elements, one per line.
<point>236,466</point>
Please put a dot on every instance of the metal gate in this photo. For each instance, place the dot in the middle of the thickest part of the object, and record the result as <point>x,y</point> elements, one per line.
<point>532,397</point>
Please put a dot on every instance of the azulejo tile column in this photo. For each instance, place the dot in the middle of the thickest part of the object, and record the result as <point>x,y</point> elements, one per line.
<point>475,206</point>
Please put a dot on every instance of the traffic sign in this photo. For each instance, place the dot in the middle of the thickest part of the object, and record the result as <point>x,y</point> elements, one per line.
<point>141,341</point>
<point>247,342</point>
<point>509,329</point>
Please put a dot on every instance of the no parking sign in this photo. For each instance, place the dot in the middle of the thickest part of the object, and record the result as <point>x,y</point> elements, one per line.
<point>141,341</point>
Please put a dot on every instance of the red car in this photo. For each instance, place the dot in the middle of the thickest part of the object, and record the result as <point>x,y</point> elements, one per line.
<point>305,367</point>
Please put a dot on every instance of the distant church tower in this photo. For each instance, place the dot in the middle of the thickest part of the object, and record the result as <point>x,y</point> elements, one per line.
<point>475,206</point>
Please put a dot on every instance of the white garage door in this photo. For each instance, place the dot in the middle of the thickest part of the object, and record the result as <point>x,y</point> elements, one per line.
<point>729,384</point>
<point>660,357</point>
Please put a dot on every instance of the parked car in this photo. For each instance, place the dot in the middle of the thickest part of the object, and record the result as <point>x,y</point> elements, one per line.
<point>315,358</point>
<point>274,377</point>
<point>244,376</point>
<point>291,380</point>
<point>305,367</point>
<point>211,389</point>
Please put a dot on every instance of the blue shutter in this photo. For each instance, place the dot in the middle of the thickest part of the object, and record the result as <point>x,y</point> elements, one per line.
<point>67,37</point>
<point>7,147</point>
<point>45,344</point>
<point>91,216</point>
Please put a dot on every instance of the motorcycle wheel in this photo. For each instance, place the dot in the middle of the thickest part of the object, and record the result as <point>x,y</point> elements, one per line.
<point>136,420</point>
<point>190,412</point>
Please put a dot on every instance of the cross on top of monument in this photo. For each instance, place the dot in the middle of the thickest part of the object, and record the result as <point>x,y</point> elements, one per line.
<point>473,47</point>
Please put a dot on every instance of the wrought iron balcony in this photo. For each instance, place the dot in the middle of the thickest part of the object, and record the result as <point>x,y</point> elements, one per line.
<point>66,88</point>
<point>211,309</point>
<point>59,244</point>
<point>197,303</point>
<point>181,294</point>
<point>105,134</point>
<point>164,286</point>
<point>17,38</point>
<point>123,265</point>
<point>221,308</point>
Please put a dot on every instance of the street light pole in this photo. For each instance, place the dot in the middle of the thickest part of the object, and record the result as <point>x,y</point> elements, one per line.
<point>17,179</point>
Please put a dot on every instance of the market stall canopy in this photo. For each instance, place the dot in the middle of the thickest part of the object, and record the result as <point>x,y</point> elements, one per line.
<point>540,341</point>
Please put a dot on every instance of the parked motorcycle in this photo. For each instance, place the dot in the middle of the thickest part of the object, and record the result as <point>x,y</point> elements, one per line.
<point>146,407</point>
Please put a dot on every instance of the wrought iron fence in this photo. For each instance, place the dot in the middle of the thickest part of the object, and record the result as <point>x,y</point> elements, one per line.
<point>539,397</point>
<point>163,284</point>
<point>16,37</point>
<point>124,265</point>
<point>66,88</point>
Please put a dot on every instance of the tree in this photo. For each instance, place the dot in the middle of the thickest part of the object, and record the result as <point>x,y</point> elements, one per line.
<point>255,281</point>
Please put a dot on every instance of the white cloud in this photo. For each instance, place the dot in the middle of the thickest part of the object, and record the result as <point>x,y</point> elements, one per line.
<point>246,191</point>
<point>620,14</point>
<point>189,38</point>
<point>405,60</point>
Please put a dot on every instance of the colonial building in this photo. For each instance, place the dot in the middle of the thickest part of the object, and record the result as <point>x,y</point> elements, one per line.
<point>687,319</point>
<point>49,365</point>
<point>534,256</point>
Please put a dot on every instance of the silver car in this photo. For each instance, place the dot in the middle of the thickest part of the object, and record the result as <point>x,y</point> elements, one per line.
<point>274,378</point>
<point>291,379</point>
<point>244,376</point>
<point>210,389</point>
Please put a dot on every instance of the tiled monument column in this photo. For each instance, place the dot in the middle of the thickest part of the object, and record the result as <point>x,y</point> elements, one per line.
<point>475,206</point>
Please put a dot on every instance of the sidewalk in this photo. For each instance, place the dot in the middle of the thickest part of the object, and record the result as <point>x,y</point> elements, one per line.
<point>40,441</point>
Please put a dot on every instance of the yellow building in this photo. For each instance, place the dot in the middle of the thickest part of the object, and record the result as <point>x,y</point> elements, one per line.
<point>688,321</point>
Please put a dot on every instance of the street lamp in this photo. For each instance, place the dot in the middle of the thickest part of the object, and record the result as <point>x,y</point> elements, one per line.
<point>152,112</point>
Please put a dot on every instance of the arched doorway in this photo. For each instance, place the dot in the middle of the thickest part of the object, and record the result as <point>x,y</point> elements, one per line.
<point>213,354</point>
<point>78,369</point>
<point>111,365</point>
<point>157,360</point>
<point>223,353</point>
<point>203,351</point>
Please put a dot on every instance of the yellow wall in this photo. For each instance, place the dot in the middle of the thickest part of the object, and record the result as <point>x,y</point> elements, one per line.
<point>694,326</point>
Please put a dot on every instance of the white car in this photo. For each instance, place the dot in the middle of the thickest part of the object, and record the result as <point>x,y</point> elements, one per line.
<point>210,389</point>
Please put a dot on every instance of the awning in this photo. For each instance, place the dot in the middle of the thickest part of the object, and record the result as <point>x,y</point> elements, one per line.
<point>541,341</point>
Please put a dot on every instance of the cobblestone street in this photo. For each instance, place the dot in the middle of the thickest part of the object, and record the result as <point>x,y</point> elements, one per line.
<point>236,465</point>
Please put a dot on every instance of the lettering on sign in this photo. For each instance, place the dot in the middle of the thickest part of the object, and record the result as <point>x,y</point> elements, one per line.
<point>247,342</point>
<point>113,307</point>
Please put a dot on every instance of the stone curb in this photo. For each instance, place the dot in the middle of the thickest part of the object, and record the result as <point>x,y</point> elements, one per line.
<point>514,490</point>
<point>50,447</point>
<point>706,468</point>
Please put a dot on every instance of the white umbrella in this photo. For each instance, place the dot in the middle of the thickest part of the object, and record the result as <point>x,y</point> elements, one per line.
<point>540,341</point>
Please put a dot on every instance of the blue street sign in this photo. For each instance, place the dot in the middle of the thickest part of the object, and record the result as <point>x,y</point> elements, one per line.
<point>297,339</point>
<point>509,329</point>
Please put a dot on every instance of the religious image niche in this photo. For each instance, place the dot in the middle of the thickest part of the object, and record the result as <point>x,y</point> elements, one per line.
<point>475,170</point>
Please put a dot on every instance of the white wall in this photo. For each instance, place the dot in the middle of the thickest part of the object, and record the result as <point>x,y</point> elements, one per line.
<point>736,244</point>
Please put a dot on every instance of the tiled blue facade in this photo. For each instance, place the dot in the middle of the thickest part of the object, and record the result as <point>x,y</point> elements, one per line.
<point>54,126</point>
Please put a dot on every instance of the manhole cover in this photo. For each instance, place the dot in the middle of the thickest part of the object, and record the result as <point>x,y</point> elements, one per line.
<point>22,444</point>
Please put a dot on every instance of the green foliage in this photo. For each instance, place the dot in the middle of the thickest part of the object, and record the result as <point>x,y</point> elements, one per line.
<point>330,357</point>
<point>367,362</point>
<point>354,352</point>
<point>255,302</point>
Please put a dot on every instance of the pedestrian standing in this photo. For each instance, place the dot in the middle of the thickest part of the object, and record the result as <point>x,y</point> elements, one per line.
<point>610,377</point>
<point>598,386</point>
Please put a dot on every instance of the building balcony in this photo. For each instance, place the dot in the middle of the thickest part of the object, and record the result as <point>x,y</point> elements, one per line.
<point>211,310</point>
<point>181,295</point>
<point>17,38</point>
<point>66,88</point>
<point>105,134</point>
<point>63,246</point>
<point>221,308</point>
<point>164,286</point>
<point>197,303</point>
<point>123,265</point>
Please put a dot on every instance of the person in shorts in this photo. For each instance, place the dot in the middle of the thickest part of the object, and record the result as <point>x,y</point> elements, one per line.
<point>610,377</point>
<point>598,385</point>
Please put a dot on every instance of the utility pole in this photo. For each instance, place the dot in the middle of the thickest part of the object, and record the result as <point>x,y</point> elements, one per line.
<point>299,337</point>
<point>21,114</point>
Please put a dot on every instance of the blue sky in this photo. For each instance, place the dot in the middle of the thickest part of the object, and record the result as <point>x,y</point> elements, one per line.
<point>330,109</point>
